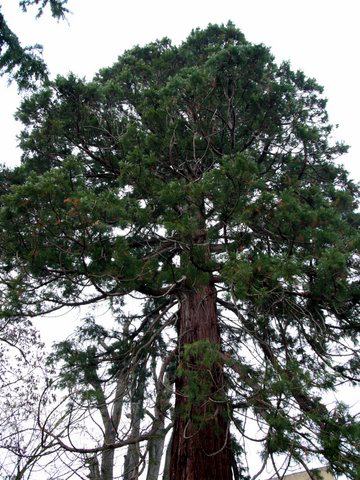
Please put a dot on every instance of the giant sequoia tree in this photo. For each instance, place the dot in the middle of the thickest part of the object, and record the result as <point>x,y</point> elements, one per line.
<point>202,179</point>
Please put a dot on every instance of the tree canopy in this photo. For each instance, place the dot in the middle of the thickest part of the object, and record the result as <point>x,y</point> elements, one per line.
<point>25,65</point>
<point>201,178</point>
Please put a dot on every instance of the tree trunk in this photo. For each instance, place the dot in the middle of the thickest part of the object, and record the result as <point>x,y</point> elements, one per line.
<point>94,470</point>
<point>156,443</point>
<point>201,439</point>
<point>132,458</point>
<point>111,424</point>
<point>166,475</point>
<point>107,464</point>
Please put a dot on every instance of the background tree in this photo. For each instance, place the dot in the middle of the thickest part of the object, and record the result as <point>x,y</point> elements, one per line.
<point>105,376</point>
<point>22,379</point>
<point>203,176</point>
<point>24,65</point>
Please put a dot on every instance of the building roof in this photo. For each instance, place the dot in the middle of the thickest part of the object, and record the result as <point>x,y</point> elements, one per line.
<point>323,471</point>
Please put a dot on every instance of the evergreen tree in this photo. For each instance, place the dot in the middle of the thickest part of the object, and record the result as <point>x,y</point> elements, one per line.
<point>24,65</point>
<point>202,176</point>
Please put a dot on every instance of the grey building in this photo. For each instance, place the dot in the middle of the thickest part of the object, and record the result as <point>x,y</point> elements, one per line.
<point>325,475</point>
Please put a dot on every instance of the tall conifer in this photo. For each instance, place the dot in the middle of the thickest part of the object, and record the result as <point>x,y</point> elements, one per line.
<point>202,174</point>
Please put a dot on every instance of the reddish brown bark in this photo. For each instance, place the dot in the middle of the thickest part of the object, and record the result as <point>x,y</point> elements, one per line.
<point>200,451</point>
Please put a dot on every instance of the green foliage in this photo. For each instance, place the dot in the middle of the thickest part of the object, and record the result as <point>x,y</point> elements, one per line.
<point>58,9</point>
<point>187,166</point>
<point>204,353</point>
<point>199,361</point>
<point>24,65</point>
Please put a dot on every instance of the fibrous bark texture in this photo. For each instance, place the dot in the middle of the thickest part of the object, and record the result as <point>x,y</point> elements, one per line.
<point>200,446</point>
